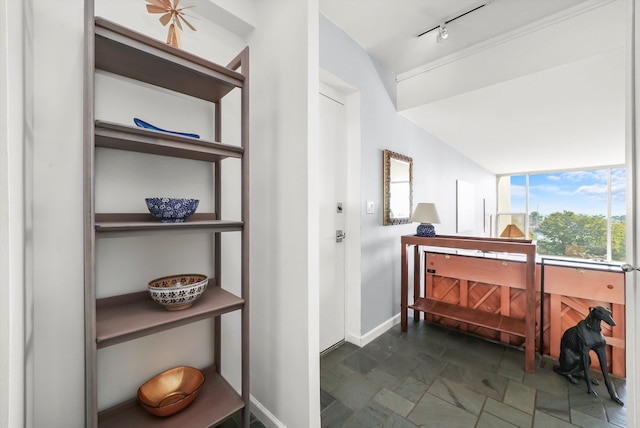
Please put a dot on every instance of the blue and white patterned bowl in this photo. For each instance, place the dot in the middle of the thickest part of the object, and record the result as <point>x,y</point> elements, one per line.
<point>177,292</point>
<point>172,210</point>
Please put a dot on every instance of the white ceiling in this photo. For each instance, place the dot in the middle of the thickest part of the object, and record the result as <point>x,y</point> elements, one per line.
<point>519,85</point>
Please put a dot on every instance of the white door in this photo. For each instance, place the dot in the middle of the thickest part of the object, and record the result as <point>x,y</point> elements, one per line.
<point>333,141</point>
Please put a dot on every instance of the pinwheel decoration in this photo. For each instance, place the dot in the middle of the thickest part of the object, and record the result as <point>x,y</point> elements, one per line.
<point>170,13</point>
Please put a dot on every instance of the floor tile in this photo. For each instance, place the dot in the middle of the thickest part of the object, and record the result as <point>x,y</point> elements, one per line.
<point>384,379</point>
<point>484,349</point>
<point>512,415</point>
<point>396,421</point>
<point>512,364</point>
<point>360,362</point>
<point>376,353</point>
<point>544,420</point>
<point>487,383</point>
<point>487,420</point>
<point>393,401</point>
<point>386,342</point>
<point>428,368</point>
<point>554,405</point>
<point>586,421</point>
<point>458,395</point>
<point>469,357</point>
<point>520,396</point>
<point>412,389</point>
<point>356,391</point>
<point>425,344</point>
<point>325,399</point>
<point>337,355</point>
<point>431,411</point>
<point>546,379</point>
<point>371,415</point>
<point>586,403</point>
<point>256,423</point>
<point>331,378</point>
<point>335,415</point>
<point>616,414</point>
<point>399,366</point>
<point>235,421</point>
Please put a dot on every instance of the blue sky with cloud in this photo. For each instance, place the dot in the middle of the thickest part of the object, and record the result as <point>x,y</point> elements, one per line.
<point>583,192</point>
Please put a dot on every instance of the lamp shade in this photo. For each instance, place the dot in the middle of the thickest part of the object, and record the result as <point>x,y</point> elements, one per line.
<point>512,231</point>
<point>426,212</point>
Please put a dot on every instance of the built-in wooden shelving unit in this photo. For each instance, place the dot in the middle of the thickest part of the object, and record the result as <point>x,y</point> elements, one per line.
<point>131,55</point>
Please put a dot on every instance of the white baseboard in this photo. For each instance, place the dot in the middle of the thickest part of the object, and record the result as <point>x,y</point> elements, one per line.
<point>265,416</point>
<point>373,334</point>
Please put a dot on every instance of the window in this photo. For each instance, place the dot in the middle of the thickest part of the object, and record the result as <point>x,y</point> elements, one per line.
<point>577,214</point>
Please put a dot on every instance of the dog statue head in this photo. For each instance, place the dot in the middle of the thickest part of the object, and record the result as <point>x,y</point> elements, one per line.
<point>599,313</point>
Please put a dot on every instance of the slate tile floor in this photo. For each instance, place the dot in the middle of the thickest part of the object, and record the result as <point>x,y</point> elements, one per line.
<point>236,422</point>
<point>431,376</point>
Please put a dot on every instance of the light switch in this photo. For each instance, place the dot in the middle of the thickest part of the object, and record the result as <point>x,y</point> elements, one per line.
<point>370,207</point>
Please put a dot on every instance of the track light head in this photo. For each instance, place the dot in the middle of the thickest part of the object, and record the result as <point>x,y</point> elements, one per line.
<point>443,33</point>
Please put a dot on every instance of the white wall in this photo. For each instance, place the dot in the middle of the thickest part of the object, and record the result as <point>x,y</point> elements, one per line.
<point>56,346</point>
<point>12,77</point>
<point>284,227</point>
<point>436,168</point>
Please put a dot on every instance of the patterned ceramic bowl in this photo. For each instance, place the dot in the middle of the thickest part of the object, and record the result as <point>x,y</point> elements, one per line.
<point>172,210</point>
<point>171,391</point>
<point>177,292</point>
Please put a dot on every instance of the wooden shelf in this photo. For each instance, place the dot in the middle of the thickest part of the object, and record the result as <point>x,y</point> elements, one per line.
<point>216,402</point>
<point>134,55</point>
<point>472,316</point>
<point>135,139</point>
<point>126,317</point>
<point>140,59</point>
<point>117,224</point>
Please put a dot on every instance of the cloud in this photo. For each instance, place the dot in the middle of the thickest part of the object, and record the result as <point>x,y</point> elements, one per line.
<point>593,190</point>
<point>545,188</point>
<point>599,175</point>
<point>519,191</point>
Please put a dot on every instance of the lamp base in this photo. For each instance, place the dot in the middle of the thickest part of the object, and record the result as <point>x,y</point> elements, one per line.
<point>426,230</point>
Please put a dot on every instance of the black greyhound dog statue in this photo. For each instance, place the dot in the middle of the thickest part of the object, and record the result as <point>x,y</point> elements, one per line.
<point>575,345</point>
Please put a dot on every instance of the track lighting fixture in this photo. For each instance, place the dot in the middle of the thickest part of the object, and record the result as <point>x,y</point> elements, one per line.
<point>443,33</point>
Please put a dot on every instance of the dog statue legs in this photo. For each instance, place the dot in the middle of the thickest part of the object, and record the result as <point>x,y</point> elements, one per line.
<point>575,345</point>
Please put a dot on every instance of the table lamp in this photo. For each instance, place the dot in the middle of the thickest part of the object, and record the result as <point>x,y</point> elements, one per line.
<point>512,231</point>
<point>426,214</point>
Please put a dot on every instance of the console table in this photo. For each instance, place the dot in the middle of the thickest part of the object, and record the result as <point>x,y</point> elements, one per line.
<point>519,271</point>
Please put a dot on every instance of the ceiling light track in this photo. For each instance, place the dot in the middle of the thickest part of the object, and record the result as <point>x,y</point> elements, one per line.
<point>452,19</point>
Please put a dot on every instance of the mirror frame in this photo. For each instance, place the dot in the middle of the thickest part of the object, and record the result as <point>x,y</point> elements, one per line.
<point>387,219</point>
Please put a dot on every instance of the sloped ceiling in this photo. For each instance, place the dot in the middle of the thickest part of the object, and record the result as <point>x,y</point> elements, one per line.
<point>519,85</point>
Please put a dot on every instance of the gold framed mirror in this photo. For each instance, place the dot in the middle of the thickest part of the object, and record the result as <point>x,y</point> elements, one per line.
<point>398,188</point>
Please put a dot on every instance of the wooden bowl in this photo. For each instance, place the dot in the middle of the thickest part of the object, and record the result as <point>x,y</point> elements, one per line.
<point>171,391</point>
